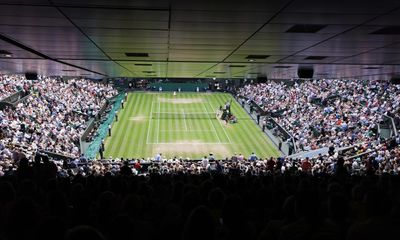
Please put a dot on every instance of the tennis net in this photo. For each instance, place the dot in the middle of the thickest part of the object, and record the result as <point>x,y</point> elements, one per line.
<point>183,115</point>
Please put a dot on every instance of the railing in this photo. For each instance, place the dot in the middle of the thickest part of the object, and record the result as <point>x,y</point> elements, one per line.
<point>94,146</point>
<point>4,105</point>
<point>22,98</point>
<point>286,135</point>
<point>83,143</point>
<point>360,154</point>
<point>23,149</point>
<point>56,155</point>
<point>390,142</point>
<point>386,118</point>
<point>395,133</point>
<point>282,138</point>
<point>379,129</point>
<point>14,99</point>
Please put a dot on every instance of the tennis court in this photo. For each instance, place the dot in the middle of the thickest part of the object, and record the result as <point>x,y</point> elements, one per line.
<point>185,126</point>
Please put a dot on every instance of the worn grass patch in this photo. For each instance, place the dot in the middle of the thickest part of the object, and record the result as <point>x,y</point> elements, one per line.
<point>181,100</point>
<point>138,118</point>
<point>185,148</point>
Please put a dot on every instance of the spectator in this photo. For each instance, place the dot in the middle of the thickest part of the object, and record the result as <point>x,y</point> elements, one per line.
<point>125,169</point>
<point>253,157</point>
<point>306,165</point>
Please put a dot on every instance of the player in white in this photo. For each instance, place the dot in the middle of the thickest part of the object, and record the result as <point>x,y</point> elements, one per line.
<point>218,113</point>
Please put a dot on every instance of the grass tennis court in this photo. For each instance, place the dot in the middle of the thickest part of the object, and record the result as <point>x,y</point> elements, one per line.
<point>183,126</point>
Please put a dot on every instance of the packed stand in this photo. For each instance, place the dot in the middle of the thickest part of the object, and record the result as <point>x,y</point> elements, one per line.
<point>373,158</point>
<point>53,117</point>
<point>10,84</point>
<point>319,113</point>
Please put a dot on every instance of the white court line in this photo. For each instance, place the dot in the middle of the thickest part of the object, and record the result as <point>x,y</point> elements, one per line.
<point>158,120</point>
<point>150,120</point>
<point>189,143</point>
<point>185,113</point>
<point>229,139</point>
<point>185,131</point>
<point>215,130</point>
<point>184,120</point>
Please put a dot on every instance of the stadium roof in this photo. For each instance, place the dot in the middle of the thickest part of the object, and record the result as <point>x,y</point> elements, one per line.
<point>201,38</point>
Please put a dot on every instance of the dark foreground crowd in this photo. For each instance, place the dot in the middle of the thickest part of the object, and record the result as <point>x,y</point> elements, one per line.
<point>35,203</point>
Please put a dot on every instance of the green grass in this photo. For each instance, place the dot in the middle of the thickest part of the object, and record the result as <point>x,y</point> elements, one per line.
<point>143,131</point>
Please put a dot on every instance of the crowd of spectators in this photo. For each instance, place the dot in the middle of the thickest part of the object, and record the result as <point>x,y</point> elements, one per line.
<point>364,159</point>
<point>52,117</point>
<point>341,195</point>
<point>36,204</point>
<point>10,84</point>
<point>376,161</point>
<point>322,112</point>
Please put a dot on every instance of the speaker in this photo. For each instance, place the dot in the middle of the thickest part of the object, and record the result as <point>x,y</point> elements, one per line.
<point>31,76</point>
<point>395,80</point>
<point>262,79</point>
<point>305,72</point>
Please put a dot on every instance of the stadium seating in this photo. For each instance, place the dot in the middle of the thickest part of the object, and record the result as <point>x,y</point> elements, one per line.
<point>352,194</point>
<point>52,117</point>
<point>321,112</point>
<point>10,84</point>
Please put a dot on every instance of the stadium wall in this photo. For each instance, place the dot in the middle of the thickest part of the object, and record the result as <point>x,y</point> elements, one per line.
<point>83,145</point>
<point>94,147</point>
<point>13,99</point>
<point>188,87</point>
